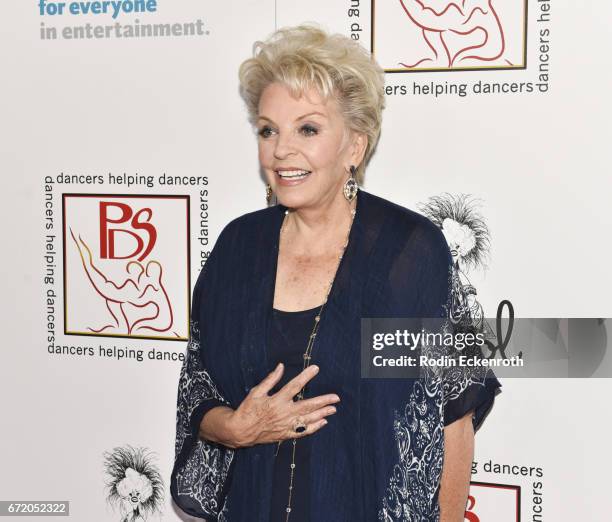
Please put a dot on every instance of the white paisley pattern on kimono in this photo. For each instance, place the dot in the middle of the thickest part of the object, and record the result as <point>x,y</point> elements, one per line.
<point>207,465</point>
<point>419,436</point>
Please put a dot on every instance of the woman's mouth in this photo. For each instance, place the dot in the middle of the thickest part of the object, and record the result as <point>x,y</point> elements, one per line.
<point>292,174</point>
<point>291,177</point>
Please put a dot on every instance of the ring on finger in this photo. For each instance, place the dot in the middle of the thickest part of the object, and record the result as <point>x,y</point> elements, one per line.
<point>299,426</point>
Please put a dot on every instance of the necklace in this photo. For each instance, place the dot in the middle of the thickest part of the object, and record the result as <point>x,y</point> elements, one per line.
<point>308,355</point>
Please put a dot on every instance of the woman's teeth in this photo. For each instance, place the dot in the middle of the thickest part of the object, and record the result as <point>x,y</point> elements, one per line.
<point>292,174</point>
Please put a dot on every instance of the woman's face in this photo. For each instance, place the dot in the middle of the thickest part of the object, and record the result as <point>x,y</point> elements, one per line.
<point>305,149</point>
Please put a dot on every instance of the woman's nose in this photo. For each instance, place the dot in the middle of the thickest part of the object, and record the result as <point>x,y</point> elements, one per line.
<point>284,146</point>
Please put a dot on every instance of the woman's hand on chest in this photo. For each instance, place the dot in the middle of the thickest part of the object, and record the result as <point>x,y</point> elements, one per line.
<point>262,418</point>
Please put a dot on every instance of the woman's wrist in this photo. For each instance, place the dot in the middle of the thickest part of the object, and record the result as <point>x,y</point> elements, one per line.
<point>236,432</point>
<point>219,425</point>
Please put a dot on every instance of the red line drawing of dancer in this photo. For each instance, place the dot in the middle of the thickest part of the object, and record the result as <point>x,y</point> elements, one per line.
<point>143,287</point>
<point>454,22</point>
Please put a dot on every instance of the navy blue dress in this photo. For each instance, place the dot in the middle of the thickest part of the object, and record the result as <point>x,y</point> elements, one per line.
<point>288,336</point>
<point>287,340</point>
<point>380,456</point>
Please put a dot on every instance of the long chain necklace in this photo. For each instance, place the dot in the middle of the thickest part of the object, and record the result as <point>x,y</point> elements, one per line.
<point>307,355</point>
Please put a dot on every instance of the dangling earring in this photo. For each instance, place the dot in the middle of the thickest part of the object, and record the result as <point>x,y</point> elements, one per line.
<point>350,185</point>
<point>268,193</point>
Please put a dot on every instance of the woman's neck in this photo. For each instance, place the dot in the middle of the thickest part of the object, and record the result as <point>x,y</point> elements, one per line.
<point>314,231</point>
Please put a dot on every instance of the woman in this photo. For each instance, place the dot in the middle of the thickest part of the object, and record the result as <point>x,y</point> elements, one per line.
<point>274,419</point>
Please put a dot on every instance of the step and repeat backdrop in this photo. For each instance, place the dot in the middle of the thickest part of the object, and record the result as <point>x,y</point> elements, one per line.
<point>126,149</point>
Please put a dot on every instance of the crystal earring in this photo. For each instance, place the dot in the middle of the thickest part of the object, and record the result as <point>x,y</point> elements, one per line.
<point>350,185</point>
<point>268,193</point>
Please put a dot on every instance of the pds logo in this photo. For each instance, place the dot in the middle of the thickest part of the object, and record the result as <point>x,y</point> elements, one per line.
<point>126,265</point>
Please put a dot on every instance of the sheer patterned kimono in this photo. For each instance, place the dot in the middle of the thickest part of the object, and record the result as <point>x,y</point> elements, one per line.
<point>380,457</point>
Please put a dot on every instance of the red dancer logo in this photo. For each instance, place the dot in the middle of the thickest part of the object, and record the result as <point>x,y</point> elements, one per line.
<point>457,32</point>
<point>127,270</point>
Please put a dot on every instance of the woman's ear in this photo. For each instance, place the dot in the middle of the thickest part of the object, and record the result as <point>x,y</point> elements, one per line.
<point>359,144</point>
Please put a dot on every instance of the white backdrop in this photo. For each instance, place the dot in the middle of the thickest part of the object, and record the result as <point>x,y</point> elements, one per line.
<point>169,105</point>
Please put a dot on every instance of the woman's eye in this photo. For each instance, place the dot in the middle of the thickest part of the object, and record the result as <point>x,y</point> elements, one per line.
<point>309,130</point>
<point>265,132</point>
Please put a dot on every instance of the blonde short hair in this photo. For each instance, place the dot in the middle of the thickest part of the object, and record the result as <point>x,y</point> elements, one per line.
<point>305,57</point>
